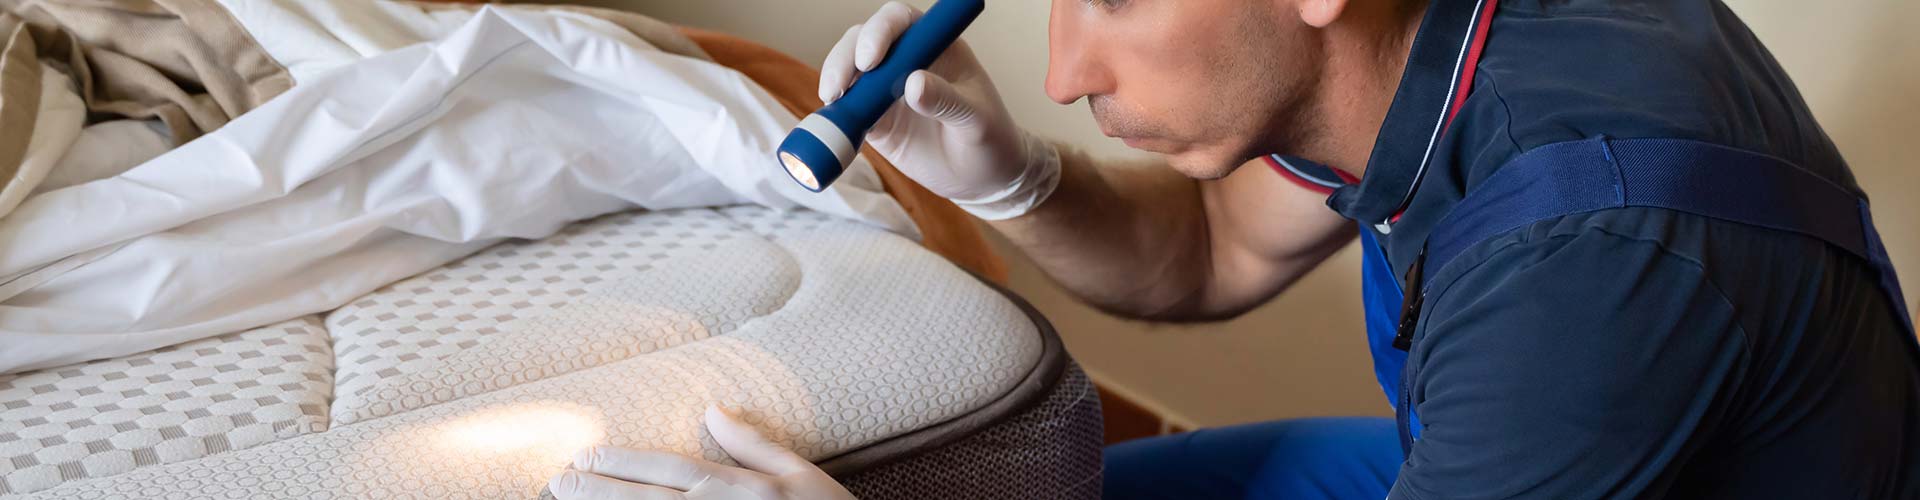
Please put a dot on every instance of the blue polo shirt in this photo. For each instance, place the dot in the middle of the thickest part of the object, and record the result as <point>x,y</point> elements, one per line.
<point>1630,352</point>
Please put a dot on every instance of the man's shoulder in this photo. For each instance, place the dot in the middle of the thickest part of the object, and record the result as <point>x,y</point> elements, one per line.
<point>1688,69</point>
<point>1616,253</point>
<point>1674,234</point>
<point>1625,240</point>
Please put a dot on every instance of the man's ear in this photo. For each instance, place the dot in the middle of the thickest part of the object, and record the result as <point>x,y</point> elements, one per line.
<point>1321,13</point>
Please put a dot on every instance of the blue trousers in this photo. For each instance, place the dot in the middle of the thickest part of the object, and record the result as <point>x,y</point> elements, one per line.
<point>1316,458</point>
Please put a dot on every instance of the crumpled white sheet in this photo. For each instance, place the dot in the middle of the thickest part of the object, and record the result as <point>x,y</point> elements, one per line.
<point>512,126</point>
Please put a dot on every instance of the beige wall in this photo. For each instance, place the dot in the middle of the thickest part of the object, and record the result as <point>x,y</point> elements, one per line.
<point>1303,354</point>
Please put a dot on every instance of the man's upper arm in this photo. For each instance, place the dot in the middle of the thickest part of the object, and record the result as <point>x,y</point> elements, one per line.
<point>1264,233</point>
<point>1585,365</point>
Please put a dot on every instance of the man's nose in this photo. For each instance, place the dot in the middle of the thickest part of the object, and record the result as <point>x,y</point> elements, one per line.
<point>1073,65</point>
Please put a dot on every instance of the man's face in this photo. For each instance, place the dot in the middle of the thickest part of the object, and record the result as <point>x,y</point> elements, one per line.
<point>1209,83</point>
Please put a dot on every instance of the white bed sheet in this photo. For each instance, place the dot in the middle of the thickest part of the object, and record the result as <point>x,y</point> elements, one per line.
<point>511,126</point>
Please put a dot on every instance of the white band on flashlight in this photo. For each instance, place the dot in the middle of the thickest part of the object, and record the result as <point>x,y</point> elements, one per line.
<point>1028,191</point>
<point>830,135</point>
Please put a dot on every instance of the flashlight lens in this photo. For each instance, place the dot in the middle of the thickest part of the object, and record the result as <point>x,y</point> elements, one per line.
<point>798,169</point>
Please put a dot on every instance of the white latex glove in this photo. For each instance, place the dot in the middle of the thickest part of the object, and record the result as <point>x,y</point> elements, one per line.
<point>949,132</point>
<point>771,473</point>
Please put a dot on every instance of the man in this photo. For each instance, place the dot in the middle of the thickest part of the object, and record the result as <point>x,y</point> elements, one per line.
<point>1610,254</point>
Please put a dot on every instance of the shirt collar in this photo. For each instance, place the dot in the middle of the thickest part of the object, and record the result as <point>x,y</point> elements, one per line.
<point>1444,51</point>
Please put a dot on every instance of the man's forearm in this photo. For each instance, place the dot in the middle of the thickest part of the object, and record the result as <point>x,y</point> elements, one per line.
<point>1130,239</point>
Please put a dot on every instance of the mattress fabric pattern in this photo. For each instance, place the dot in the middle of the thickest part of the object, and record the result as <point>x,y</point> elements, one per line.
<point>170,405</point>
<point>478,379</point>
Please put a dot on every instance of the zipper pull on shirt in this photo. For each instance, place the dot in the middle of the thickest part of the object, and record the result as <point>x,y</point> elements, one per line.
<point>1411,299</point>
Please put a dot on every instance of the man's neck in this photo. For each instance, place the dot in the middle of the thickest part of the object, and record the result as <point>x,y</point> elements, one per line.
<point>1367,53</point>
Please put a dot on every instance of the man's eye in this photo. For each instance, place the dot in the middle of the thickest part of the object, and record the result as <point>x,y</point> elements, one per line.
<point>1107,4</point>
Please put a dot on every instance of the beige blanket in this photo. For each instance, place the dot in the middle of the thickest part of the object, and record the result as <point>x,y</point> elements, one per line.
<point>181,61</point>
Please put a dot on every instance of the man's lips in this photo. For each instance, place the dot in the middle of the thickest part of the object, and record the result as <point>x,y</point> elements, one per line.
<point>1137,141</point>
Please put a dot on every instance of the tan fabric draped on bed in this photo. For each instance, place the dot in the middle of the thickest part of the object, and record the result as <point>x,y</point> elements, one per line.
<point>185,62</point>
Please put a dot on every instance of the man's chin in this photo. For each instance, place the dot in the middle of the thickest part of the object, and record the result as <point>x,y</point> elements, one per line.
<point>1203,165</point>
<point>1191,160</point>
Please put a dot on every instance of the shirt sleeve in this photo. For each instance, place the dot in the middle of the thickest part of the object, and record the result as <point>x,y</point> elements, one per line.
<point>1585,365</point>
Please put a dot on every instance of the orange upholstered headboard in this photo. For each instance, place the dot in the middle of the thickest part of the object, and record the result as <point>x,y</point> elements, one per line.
<point>947,230</point>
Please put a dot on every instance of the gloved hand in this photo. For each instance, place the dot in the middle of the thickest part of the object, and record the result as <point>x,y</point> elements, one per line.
<point>949,132</point>
<point>771,473</point>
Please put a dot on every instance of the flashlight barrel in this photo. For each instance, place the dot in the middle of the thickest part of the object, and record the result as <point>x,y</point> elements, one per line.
<point>824,143</point>
<point>875,91</point>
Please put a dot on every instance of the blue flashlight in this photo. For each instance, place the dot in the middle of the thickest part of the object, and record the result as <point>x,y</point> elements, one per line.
<point>824,143</point>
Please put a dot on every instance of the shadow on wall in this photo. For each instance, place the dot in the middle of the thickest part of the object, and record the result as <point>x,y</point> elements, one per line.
<point>1873,122</point>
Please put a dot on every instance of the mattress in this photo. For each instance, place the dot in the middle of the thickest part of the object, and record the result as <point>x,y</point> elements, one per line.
<point>899,373</point>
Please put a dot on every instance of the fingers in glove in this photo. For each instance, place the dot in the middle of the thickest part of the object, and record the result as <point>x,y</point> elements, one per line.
<point>934,97</point>
<point>879,33</point>
<point>747,446</point>
<point>577,485</point>
<point>671,470</point>
<point>837,73</point>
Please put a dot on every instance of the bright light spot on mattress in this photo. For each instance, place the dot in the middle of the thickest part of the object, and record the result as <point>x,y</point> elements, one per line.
<point>542,431</point>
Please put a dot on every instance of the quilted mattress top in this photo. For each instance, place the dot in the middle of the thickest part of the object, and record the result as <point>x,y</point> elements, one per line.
<point>478,379</point>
